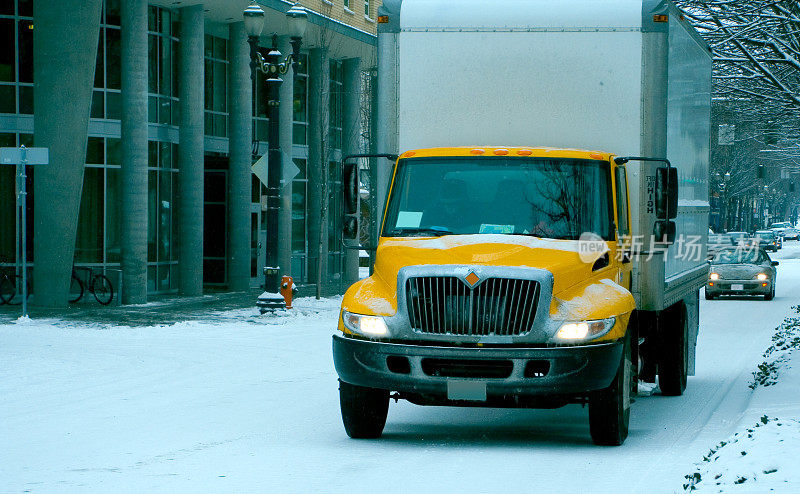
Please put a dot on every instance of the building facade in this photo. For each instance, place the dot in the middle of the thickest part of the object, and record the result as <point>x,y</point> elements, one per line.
<point>153,123</point>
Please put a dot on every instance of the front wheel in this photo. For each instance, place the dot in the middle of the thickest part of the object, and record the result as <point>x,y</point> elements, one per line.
<point>102,289</point>
<point>610,408</point>
<point>364,410</point>
<point>771,294</point>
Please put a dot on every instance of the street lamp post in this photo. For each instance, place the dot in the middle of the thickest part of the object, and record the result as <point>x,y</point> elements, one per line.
<point>273,66</point>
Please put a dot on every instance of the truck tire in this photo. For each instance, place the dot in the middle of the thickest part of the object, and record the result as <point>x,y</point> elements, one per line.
<point>673,366</point>
<point>364,410</point>
<point>610,408</point>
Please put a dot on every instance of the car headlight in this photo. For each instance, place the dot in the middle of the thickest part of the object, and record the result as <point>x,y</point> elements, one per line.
<point>371,326</point>
<point>762,277</point>
<point>584,330</point>
<point>713,276</point>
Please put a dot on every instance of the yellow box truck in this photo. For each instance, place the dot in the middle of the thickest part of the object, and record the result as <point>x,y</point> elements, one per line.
<point>536,242</point>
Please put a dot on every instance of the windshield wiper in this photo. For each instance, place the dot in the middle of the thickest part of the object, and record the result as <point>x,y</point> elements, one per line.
<point>436,231</point>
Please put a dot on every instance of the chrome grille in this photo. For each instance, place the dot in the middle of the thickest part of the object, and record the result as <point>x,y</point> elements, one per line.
<point>447,305</point>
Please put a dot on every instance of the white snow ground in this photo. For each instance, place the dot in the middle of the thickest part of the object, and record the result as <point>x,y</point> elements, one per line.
<point>249,403</point>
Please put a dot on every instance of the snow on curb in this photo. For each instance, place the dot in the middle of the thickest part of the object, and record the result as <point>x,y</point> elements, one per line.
<point>760,459</point>
<point>784,342</point>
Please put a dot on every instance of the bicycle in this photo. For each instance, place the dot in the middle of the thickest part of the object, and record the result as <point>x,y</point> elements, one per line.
<point>8,286</point>
<point>98,285</point>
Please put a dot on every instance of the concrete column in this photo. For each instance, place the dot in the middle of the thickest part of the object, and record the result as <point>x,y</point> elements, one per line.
<point>286,119</point>
<point>64,54</point>
<point>190,151</point>
<point>351,144</point>
<point>240,136</point>
<point>134,151</point>
<point>318,156</point>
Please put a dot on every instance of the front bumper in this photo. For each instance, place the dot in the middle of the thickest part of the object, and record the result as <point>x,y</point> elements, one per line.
<point>426,370</point>
<point>749,287</point>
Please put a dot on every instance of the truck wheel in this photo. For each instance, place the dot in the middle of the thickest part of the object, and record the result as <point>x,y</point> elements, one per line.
<point>610,408</point>
<point>709,296</point>
<point>673,366</point>
<point>364,410</point>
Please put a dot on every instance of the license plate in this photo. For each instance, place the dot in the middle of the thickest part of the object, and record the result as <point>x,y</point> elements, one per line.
<point>466,390</point>
<point>737,287</point>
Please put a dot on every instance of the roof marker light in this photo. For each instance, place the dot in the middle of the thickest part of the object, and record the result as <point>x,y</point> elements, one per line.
<point>524,152</point>
<point>477,151</point>
<point>409,154</point>
<point>501,152</point>
<point>596,156</point>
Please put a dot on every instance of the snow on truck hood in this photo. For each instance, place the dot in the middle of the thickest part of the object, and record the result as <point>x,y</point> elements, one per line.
<point>557,256</point>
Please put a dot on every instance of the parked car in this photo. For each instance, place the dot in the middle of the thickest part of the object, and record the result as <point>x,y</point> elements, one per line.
<point>717,242</point>
<point>741,271</point>
<point>767,240</point>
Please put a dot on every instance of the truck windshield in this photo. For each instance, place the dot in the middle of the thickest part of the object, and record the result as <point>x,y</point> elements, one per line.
<point>549,198</point>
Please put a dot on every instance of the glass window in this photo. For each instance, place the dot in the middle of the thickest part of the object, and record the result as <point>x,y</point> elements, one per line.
<point>25,8</point>
<point>366,8</point>
<point>165,71</point>
<point>8,99</point>
<point>220,86</point>
<point>152,215</point>
<point>7,53</point>
<point>7,202</point>
<point>165,216</point>
<point>95,151</point>
<point>299,208</point>
<point>113,152</point>
<point>152,63</point>
<point>6,7</point>
<point>89,240</point>
<point>113,105</point>
<point>622,201</point>
<point>112,12</point>
<point>113,212</point>
<point>25,51</point>
<point>26,100</point>
<point>113,59</point>
<point>221,48</point>
<point>99,66</point>
<point>347,4</point>
<point>550,198</point>
<point>98,107</point>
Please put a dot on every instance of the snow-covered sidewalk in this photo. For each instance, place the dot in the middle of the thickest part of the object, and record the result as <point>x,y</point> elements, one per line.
<point>762,455</point>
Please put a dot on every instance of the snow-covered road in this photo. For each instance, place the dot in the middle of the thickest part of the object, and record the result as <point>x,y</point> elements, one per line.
<point>247,403</point>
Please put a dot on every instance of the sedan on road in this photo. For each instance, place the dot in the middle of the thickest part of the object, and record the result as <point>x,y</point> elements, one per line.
<point>767,240</point>
<point>791,233</point>
<point>741,271</point>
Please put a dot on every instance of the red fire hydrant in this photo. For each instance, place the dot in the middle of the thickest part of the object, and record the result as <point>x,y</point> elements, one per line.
<point>288,289</point>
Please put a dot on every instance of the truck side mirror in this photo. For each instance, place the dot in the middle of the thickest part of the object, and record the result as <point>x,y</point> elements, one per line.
<point>664,232</point>
<point>351,187</point>
<point>667,193</point>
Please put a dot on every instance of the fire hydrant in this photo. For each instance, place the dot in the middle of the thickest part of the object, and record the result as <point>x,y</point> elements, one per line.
<point>288,290</point>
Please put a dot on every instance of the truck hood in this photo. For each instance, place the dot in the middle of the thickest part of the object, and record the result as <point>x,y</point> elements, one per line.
<point>560,257</point>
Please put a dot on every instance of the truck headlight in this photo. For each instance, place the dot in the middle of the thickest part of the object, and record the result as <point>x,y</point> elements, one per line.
<point>365,325</point>
<point>713,276</point>
<point>584,330</point>
<point>762,277</point>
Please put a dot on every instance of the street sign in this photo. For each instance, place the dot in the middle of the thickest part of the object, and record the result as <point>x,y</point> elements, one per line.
<point>21,157</point>
<point>261,169</point>
<point>34,156</point>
